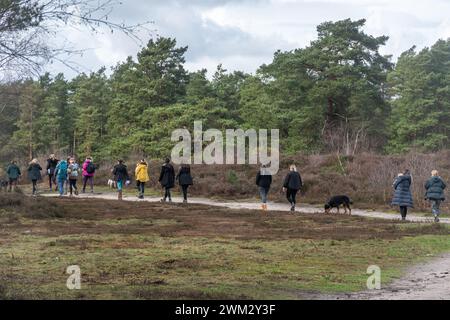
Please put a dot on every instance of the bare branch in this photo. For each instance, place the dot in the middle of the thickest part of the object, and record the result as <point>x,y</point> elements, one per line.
<point>27,26</point>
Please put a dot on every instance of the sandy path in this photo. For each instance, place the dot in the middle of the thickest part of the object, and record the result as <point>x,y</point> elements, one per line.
<point>426,281</point>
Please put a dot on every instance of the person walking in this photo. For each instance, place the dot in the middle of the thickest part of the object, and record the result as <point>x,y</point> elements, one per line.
<point>292,183</point>
<point>52,162</point>
<point>14,174</point>
<point>88,174</point>
<point>34,174</point>
<point>402,194</point>
<point>167,179</point>
<point>61,174</point>
<point>73,171</point>
<point>263,181</point>
<point>121,177</point>
<point>184,180</point>
<point>435,187</point>
<point>141,175</point>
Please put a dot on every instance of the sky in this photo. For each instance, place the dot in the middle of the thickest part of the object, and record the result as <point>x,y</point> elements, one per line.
<point>244,34</point>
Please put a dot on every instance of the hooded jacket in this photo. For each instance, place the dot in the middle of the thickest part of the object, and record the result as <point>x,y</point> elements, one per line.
<point>61,170</point>
<point>402,193</point>
<point>13,172</point>
<point>141,172</point>
<point>85,173</point>
<point>167,176</point>
<point>34,171</point>
<point>435,188</point>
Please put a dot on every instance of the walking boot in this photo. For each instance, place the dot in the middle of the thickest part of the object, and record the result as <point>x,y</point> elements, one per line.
<point>119,195</point>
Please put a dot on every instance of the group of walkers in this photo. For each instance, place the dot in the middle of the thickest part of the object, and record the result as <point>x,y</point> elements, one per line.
<point>167,179</point>
<point>291,185</point>
<point>434,192</point>
<point>64,174</point>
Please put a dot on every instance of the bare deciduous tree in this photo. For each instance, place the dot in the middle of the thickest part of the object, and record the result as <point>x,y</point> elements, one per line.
<point>27,28</point>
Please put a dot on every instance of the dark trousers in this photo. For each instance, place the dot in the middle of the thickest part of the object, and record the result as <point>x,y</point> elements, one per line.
<point>85,181</point>
<point>184,189</point>
<point>167,193</point>
<point>34,182</point>
<point>403,211</point>
<point>12,182</point>
<point>141,187</point>
<point>290,195</point>
<point>73,185</point>
<point>51,180</point>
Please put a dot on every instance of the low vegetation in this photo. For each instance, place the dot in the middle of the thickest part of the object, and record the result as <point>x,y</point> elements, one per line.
<point>156,251</point>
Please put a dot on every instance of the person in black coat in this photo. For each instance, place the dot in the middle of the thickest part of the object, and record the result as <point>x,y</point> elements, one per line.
<point>184,179</point>
<point>292,183</point>
<point>402,194</point>
<point>34,174</point>
<point>167,179</point>
<point>263,181</point>
<point>435,187</point>
<point>121,176</point>
<point>52,162</point>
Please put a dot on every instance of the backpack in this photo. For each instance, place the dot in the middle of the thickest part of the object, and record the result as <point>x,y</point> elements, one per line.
<point>90,168</point>
<point>62,169</point>
<point>73,170</point>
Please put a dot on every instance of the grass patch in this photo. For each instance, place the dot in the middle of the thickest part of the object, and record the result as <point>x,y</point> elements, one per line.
<point>158,251</point>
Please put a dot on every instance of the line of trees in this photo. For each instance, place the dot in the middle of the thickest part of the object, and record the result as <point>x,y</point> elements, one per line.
<point>339,94</point>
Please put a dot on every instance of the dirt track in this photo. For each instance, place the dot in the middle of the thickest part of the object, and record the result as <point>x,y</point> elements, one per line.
<point>429,280</point>
<point>426,281</point>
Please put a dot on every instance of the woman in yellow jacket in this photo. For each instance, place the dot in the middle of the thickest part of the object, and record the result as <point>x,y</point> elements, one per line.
<point>142,177</point>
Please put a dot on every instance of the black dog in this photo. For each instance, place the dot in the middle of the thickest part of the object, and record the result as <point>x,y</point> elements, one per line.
<point>336,202</point>
<point>3,185</point>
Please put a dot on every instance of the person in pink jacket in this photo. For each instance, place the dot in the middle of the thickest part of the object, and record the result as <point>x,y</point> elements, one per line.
<point>88,174</point>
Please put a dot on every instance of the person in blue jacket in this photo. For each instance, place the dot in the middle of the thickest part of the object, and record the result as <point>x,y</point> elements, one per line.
<point>435,187</point>
<point>402,193</point>
<point>61,175</point>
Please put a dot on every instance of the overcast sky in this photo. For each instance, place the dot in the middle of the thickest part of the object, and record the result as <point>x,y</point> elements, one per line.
<point>243,34</point>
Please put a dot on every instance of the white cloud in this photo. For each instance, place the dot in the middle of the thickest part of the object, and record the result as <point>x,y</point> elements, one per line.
<point>244,34</point>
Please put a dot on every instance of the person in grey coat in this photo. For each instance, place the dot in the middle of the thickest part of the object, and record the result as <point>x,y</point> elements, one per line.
<point>435,193</point>
<point>402,195</point>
